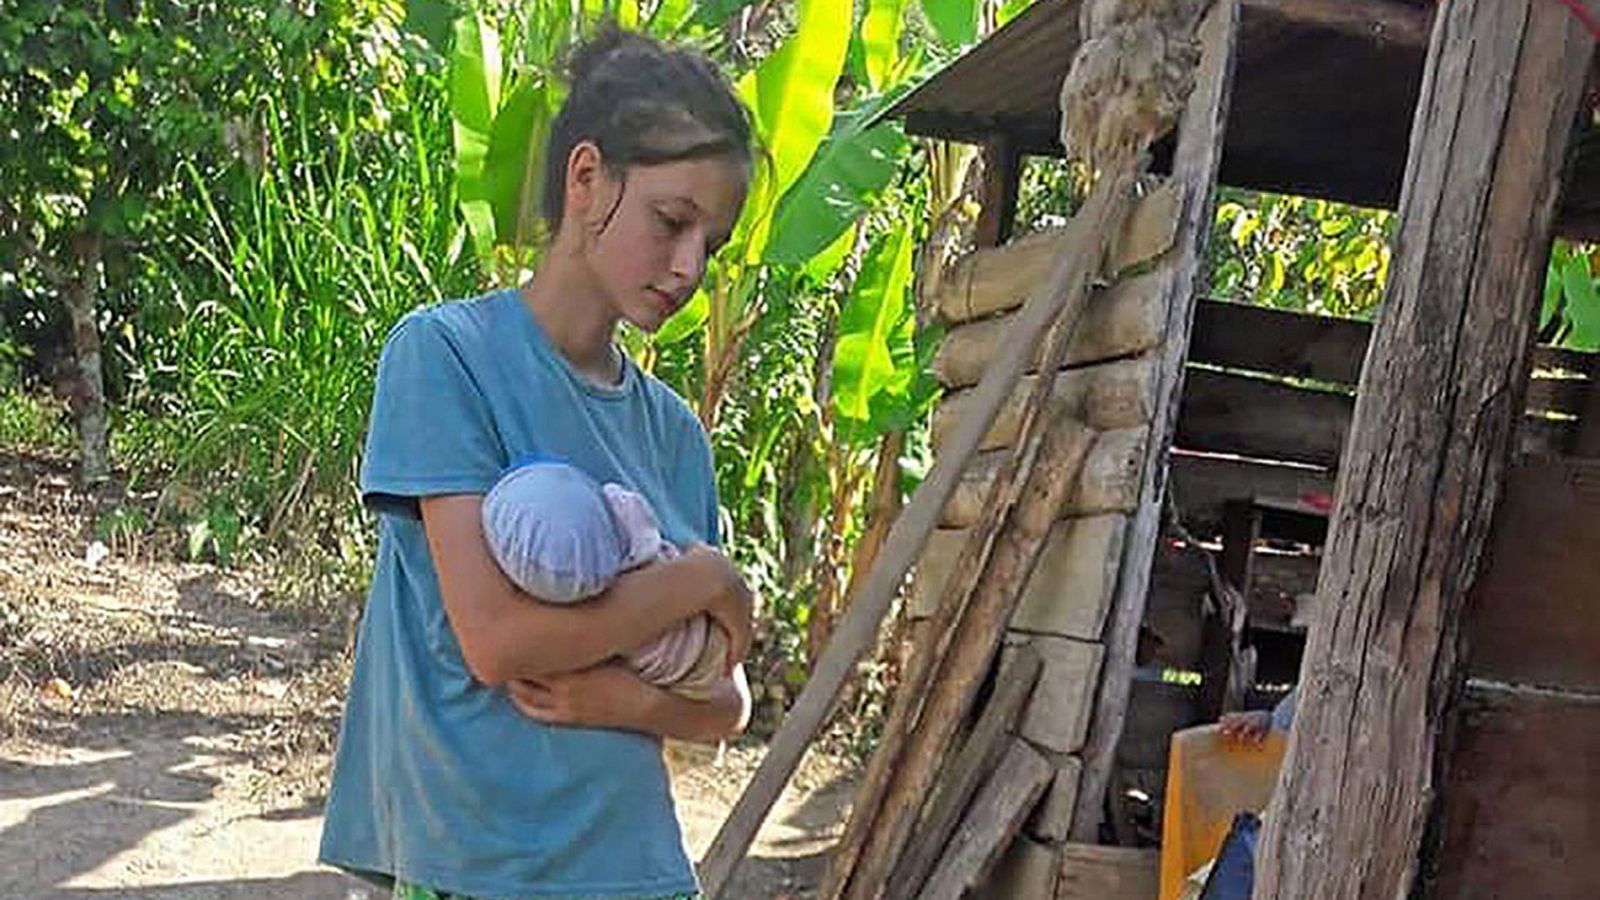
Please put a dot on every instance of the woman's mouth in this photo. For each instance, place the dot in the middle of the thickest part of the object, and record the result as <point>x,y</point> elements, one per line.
<point>668,303</point>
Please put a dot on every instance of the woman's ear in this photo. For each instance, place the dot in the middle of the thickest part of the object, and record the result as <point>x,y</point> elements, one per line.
<point>586,185</point>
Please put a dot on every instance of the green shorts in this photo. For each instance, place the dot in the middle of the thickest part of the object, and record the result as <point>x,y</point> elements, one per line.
<point>404,891</point>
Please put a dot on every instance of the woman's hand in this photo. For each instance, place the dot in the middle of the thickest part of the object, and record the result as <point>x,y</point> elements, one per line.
<point>1247,727</point>
<point>609,695</point>
<point>612,695</point>
<point>732,604</point>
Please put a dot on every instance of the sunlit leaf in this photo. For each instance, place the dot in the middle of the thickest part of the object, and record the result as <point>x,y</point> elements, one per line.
<point>474,99</point>
<point>851,167</point>
<point>880,40</point>
<point>791,95</point>
<point>872,331</point>
<point>1582,302</point>
<point>513,168</point>
<point>956,21</point>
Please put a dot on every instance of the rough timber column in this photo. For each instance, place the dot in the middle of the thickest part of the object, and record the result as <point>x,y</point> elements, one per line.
<point>1443,383</point>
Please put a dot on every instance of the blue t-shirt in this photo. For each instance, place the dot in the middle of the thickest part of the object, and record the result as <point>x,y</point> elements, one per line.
<point>438,780</point>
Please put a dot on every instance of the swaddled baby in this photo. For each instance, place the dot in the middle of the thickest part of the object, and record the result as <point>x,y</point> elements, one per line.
<point>563,537</point>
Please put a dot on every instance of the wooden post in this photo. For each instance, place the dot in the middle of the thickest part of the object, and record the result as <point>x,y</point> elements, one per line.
<point>1002,176</point>
<point>1194,168</point>
<point>1440,397</point>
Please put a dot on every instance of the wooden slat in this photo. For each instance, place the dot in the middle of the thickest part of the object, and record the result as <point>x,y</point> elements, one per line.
<point>1267,419</point>
<point>991,823</point>
<point>1246,416</point>
<point>1535,616</point>
<point>1275,342</point>
<point>1201,484</point>
<point>1558,395</point>
<point>1279,342</point>
<point>961,777</point>
<point>1519,807</point>
<point>1093,872</point>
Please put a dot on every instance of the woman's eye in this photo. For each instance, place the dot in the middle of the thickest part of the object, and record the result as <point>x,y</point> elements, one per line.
<point>671,224</point>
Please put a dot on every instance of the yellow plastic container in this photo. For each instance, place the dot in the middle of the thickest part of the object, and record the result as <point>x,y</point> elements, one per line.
<point>1210,778</point>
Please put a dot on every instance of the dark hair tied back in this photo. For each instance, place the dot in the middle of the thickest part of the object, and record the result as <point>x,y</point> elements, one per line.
<point>642,103</point>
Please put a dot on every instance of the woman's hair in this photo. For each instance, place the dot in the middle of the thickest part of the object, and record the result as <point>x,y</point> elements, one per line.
<point>642,103</point>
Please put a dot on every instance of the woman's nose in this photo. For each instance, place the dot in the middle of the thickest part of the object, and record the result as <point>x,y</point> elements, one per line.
<point>689,261</point>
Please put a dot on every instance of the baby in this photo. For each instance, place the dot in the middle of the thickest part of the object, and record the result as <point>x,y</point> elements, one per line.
<point>563,537</point>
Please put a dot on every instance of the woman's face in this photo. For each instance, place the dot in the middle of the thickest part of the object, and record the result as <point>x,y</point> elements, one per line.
<point>670,219</point>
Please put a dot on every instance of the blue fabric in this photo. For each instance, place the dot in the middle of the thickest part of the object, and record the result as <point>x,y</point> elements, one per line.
<point>438,780</point>
<point>1283,713</point>
<point>1233,876</point>
<point>549,527</point>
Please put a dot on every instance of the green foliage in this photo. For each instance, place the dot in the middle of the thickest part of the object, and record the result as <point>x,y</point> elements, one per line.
<point>1299,253</point>
<point>845,178</point>
<point>875,329</point>
<point>276,184</point>
<point>1329,258</point>
<point>1570,315</point>
<point>791,99</point>
<point>30,421</point>
<point>879,40</point>
<point>261,357</point>
<point>217,534</point>
<point>122,526</point>
<point>955,21</point>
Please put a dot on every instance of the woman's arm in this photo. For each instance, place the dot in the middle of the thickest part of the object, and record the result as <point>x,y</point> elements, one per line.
<point>613,696</point>
<point>504,636</point>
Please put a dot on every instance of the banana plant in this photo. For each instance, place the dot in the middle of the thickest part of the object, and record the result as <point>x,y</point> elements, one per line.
<point>791,97</point>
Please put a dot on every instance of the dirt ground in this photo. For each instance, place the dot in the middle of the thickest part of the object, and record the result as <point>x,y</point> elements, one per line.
<point>165,729</point>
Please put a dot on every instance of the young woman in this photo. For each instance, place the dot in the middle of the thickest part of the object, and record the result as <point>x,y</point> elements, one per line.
<point>493,746</point>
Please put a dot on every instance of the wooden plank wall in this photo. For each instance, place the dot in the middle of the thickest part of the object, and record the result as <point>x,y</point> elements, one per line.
<point>1267,401</point>
<point>1524,774</point>
<point>1273,387</point>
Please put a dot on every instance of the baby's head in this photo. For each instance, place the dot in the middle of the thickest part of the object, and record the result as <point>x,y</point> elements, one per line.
<point>552,531</point>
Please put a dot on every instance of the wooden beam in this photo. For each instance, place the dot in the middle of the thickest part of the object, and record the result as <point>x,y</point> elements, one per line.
<point>1586,437</point>
<point>1199,151</point>
<point>1440,399</point>
<point>993,821</point>
<point>1399,23</point>
<point>1262,418</point>
<point>1263,339</point>
<point>980,753</point>
<point>1002,176</point>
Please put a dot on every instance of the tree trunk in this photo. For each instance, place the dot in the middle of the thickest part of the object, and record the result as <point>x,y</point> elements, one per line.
<point>825,603</point>
<point>1439,400</point>
<point>885,506</point>
<point>87,397</point>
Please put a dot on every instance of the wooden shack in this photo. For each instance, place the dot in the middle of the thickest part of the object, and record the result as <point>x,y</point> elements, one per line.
<point>1321,99</point>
